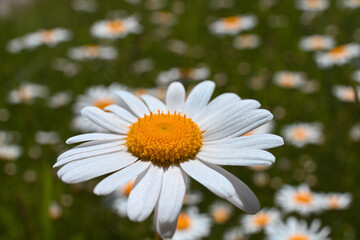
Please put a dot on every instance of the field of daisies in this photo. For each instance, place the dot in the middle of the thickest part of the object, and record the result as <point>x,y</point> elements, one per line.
<point>184,120</point>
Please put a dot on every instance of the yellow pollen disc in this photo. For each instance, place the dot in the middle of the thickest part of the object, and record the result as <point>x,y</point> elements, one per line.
<point>261,219</point>
<point>184,221</point>
<point>116,27</point>
<point>103,102</point>
<point>48,36</point>
<point>300,134</point>
<point>220,216</point>
<point>303,198</point>
<point>92,50</point>
<point>349,95</point>
<point>338,52</point>
<point>334,202</point>
<point>317,43</point>
<point>298,237</point>
<point>164,139</point>
<point>287,80</point>
<point>126,189</point>
<point>232,22</point>
<point>314,3</point>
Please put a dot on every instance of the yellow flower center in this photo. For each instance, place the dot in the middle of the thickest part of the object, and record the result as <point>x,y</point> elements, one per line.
<point>164,139</point>
<point>116,26</point>
<point>300,134</point>
<point>349,95</point>
<point>232,22</point>
<point>299,237</point>
<point>126,189</point>
<point>288,80</point>
<point>221,216</point>
<point>48,36</point>
<point>261,219</point>
<point>338,52</point>
<point>103,102</point>
<point>314,3</point>
<point>334,202</point>
<point>184,221</point>
<point>303,198</point>
<point>92,50</point>
<point>317,43</point>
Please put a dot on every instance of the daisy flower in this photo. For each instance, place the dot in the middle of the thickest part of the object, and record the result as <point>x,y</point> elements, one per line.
<point>345,93</point>
<point>294,229</point>
<point>192,225</point>
<point>301,134</point>
<point>299,199</point>
<point>233,25</point>
<point>158,143</point>
<point>247,41</point>
<point>339,55</point>
<point>236,233</point>
<point>27,92</point>
<point>114,29</point>
<point>350,3</point>
<point>9,152</point>
<point>175,74</point>
<point>50,37</point>
<point>220,211</point>
<point>288,79</point>
<point>97,96</point>
<point>312,5</point>
<point>337,201</point>
<point>45,137</point>
<point>316,43</point>
<point>264,218</point>
<point>90,52</point>
<point>59,99</point>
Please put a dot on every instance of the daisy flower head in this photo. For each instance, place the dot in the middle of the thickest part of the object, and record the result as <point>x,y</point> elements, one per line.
<point>339,55</point>
<point>236,233</point>
<point>345,93</point>
<point>299,199</point>
<point>114,29</point>
<point>301,134</point>
<point>350,3</point>
<point>97,96</point>
<point>176,74</point>
<point>288,79</point>
<point>317,43</point>
<point>159,143</point>
<point>90,52</point>
<point>50,37</point>
<point>312,5</point>
<point>264,218</point>
<point>192,225</point>
<point>337,201</point>
<point>220,211</point>
<point>27,92</point>
<point>294,229</point>
<point>233,25</point>
<point>247,41</point>
<point>9,152</point>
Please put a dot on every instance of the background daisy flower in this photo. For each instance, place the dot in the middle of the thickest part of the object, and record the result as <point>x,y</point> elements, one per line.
<point>89,52</point>
<point>316,43</point>
<point>264,218</point>
<point>301,134</point>
<point>233,25</point>
<point>339,55</point>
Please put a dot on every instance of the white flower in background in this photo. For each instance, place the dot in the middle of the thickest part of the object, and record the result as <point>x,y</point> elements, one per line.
<point>47,137</point>
<point>288,79</point>
<point>164,18</point>
<point>66,66</point>
<point>220,212</point>
<point>84,5</point>
<point>350,3</point>
<point>97,96</point>
<point>264,218</point>
<point>339,55</point>
<point>192,225</point>
<point>9,152</point>
<point>301,134</point>
<point>49,37</point>
<point>55,210</point>
<point>294,229</point>
<point>355,133</point>
<point>158,143</point>
<point>233,25</point>
<point>316,43</point>
<point>345,93</point>
<point>175,74</point>
<point>27,92</point>
<point>356,76</point>
<point>236,233</point>
<point>299,199</point>
<point>120,198</point>
<point>193,198</point>
<point>114,29</point>
<point>337,201</point>
<point>246,41</point>
<point>90,52</point>
<point>59,99</point>
<point>312,5</point>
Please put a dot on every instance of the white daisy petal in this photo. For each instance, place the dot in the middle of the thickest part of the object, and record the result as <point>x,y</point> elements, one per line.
<point>115,180</point>
<point>198,98</point>
<point>238,127</point>
<point>154,104</point>
<point>135,104</point>
<point>89,168</point>
<point>257,141</point>
<point>236,157</point>
<point>145,193</point>
<point>175,97</point>
<point>104,120</point>
<point>223,184</point>
<point>94,136</point>
<point>170,201</point>
<point>122,113</point>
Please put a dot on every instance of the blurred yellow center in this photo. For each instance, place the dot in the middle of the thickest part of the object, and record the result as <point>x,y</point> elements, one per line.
<point>116,27</point>
<point>261,219</point>
<point>288,80</point>
<point>300,133</point>
<point>48,36</point>
<point>314,3</point>
<point>184,221</point>
<point>303,198</point>
<point>299,237</point>
<point>164,139</point>
<point>334,202</point>
<point>337,52</point>
<point>349,94</point>
<point>317,43</point>
<point>126,189</point>
<point>103,102</point>
<point>92,50</point>
<point>232,22</point>
<point>221,216</point>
